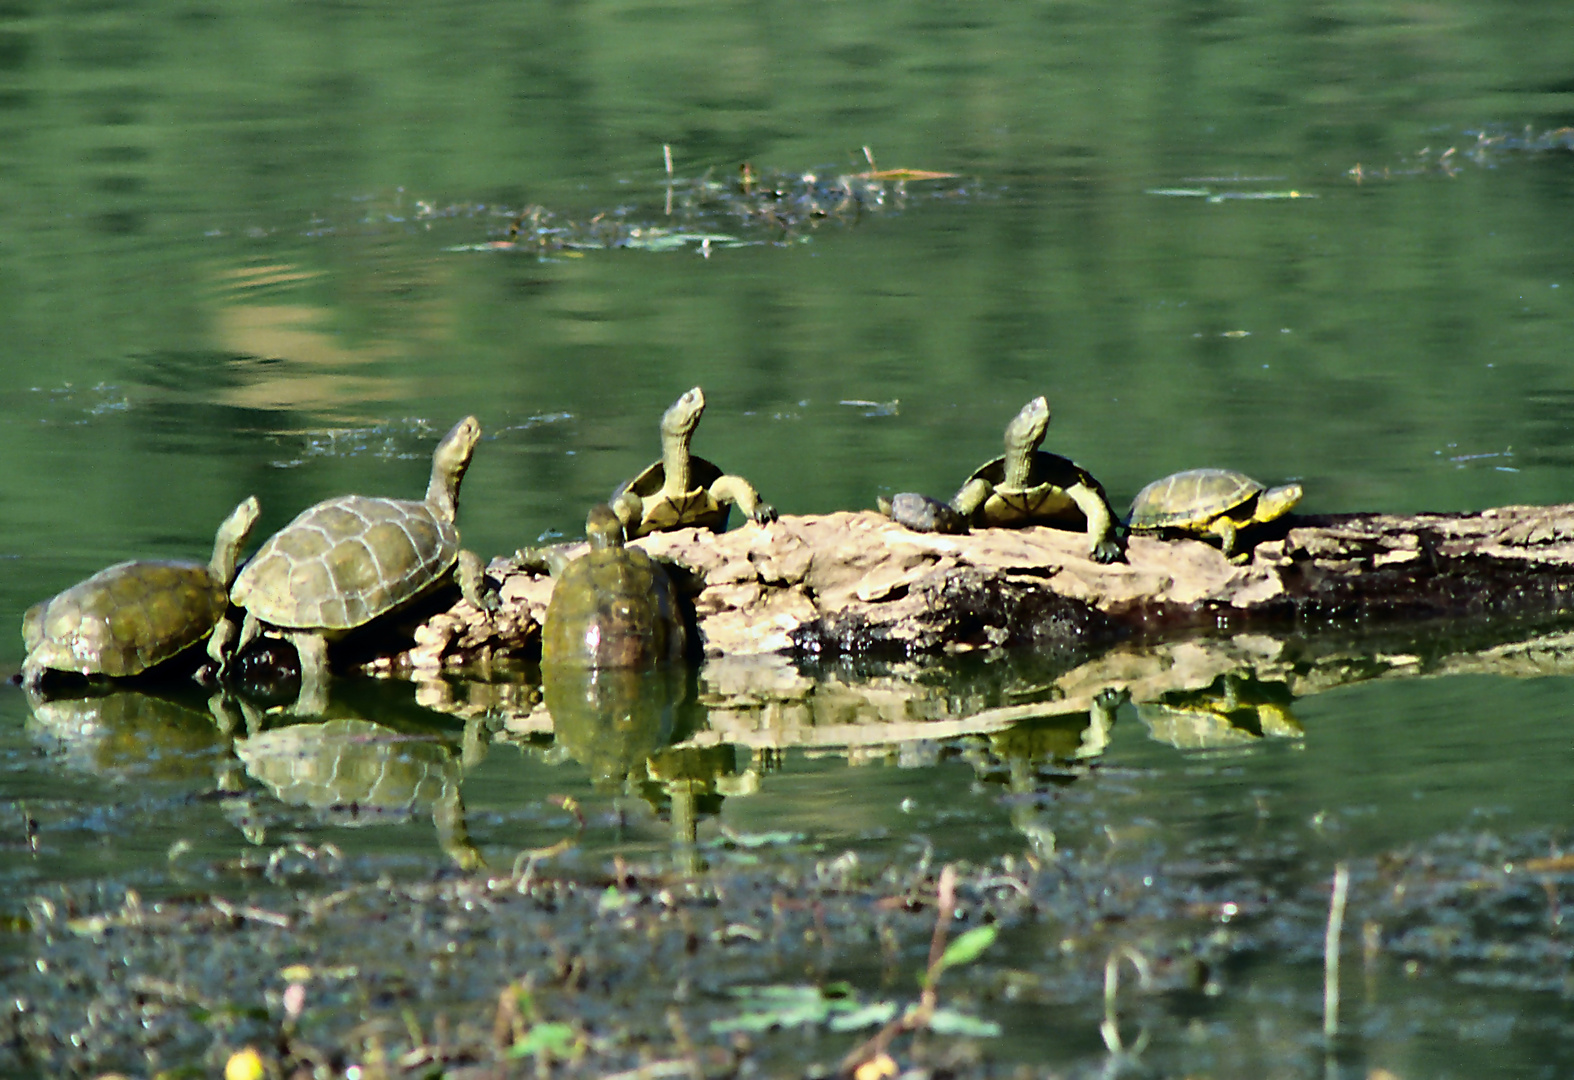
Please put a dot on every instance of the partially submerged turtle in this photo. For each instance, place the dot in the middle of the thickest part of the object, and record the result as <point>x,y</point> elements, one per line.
<point>1210,502</point>
<point>682,490</point>
<point>1024,486</point>
<point>133,615</point>
<point>345,561</point>
<point>613,607</point>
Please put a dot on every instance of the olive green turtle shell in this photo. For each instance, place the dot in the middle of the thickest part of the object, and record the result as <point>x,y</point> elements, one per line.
<point>696,507</point>
<point>1191,499</point>
<point>126,618</point>
<point>614,607</point>
<point>345,561</point>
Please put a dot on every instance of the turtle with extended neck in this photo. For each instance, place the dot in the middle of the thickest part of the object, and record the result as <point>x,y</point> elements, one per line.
<point>682,490</point>
<point>345,561</point>
<point>134,615</point>
<point>1024,486</point>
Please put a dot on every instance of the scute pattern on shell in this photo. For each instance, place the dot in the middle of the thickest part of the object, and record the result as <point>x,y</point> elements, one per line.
<point>346,561</point>
<point>126,618</point>
<point>1191,498</point>
<point>613,609</point>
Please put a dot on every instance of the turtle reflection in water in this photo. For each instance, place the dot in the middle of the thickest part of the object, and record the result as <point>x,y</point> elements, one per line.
<point>355,772</point>
<point>1235,710</point>
<point>134,615</point>
<point>131,736</point>
<point>1057,740</point>
<point>1024,486</point>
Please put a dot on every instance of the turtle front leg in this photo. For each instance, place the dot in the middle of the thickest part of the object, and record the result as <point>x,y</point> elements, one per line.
<point>470,574</point>
<point>970,497</point>
<point>1103,540</point>
<point>1228,531</point>
<point>630,509</point>
<point>219,644</point>
<point>312,649</point>
<point>735,489</point>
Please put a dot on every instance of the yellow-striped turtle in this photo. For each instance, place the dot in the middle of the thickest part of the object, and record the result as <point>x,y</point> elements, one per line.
<point>1024,486</point>
<point>1210,502</point>
<point>613,607</point>
<point>345,561</point>
<point>133,615</point>
<point>682,490</point>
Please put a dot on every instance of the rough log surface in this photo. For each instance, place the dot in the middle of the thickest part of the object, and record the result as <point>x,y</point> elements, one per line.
<point>858,584</point>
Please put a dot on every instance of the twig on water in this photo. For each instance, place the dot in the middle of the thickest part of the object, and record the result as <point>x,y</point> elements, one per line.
<point>1331,950</point>
<point>916,1018</point>
<point>666,152</point>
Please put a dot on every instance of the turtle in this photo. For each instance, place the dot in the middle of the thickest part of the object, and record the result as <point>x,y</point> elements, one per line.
<point>1024,486</point>
<point>682,490</point>
<point>351,771</point>
<point>347,560</point>
<point>613,607</point>
<point>1210,502</point>
<point>133,615</point>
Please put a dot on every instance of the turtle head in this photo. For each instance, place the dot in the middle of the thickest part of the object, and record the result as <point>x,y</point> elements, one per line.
<point>449,463</point>
<point>1026,431</point>
<point>231,536</point>
<point>680,421</point>
<point>1276,502</point>
<point>602,528</point>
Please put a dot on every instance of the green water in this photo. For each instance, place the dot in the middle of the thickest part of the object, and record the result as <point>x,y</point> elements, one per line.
<point>238,255</point>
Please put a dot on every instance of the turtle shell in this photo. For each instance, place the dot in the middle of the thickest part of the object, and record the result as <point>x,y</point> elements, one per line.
<point>352,771</point>
<point>1191,499</point>
<point>702,474</point>
<point>345,561</point>
<point>126,618</point>
<point>613,608</point>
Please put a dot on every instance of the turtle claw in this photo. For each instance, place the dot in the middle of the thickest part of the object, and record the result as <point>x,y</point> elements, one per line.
<point>764,514</point>
<point>1108,551</point>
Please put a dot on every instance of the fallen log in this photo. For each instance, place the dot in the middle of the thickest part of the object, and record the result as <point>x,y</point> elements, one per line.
<point>857,584</point>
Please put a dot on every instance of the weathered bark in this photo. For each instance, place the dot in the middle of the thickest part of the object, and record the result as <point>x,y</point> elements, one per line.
<point>858,584</point>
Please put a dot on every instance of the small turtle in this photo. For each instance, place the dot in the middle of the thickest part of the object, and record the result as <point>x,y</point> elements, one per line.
<point>1024,486</point>
<point>345,561</point>
<point>682,490</point>
<point>1210,502</point>
<point>123,620</point>
<point>613,607</point>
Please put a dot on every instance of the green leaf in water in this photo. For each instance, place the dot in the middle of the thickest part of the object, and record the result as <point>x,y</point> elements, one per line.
<point>965,949</point>
<point>556,1039</point>
<point>875,1014</point>
<point>950,1022</point>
